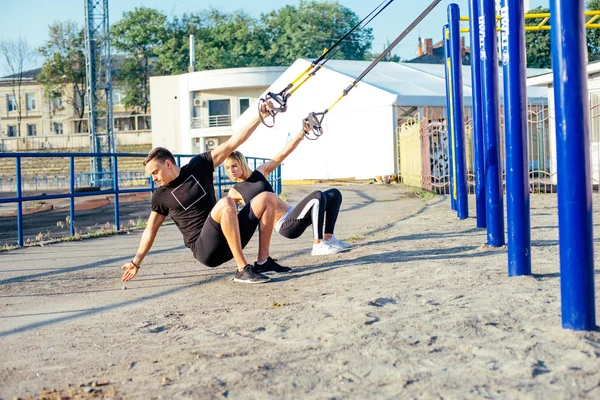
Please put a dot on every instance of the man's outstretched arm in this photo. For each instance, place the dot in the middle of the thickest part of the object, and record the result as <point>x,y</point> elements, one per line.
<point>131,268</point>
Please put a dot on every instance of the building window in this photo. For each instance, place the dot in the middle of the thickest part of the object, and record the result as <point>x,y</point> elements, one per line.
<point>30,101</point>
<point>11,102</point>
<point>57,103</point>
<point>31,130</point>
<point>244,105</point>
<point>12,130</point>
<point>219,113</point>
<point>57,128</point>
<point>117,96</point>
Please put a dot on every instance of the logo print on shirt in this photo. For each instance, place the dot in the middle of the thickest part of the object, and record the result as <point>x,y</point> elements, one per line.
<point>189,192</point>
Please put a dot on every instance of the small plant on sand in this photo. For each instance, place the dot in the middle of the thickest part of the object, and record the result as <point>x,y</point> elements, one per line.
<point>7,247</point>
<point>139,223</point>
<point>355,238</point>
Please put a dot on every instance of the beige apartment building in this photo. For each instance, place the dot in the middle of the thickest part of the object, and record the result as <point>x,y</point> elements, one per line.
<point>54,124</point>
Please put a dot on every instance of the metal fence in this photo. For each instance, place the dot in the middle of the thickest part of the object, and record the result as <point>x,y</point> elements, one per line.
<point>432,133</point>
<point>104,183</point>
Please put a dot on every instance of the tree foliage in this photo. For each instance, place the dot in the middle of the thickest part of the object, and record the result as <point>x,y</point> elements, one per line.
<point>538,43</point>
<point>148,43</point>
<point>593,35</point>
<point>311,28</point>
<point>63,71</point>
<point>139,34</point>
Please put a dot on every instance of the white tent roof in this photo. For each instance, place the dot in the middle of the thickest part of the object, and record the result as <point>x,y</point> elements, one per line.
<point>421,84</point>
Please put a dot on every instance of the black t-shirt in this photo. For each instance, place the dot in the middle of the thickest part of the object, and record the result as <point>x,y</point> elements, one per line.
<point>253,186</point>
<point>189,198</point>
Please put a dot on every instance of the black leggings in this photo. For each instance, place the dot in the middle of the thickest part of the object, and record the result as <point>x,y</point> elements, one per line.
<point>211,247</point>
<point>334,202</point>
<point>310,210</point>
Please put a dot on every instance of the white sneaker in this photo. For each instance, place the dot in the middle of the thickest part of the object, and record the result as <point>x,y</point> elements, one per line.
<point>323,248</point>
<point>338,243</point>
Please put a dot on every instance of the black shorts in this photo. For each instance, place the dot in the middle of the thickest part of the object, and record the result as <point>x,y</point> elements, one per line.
<point>211,247</point>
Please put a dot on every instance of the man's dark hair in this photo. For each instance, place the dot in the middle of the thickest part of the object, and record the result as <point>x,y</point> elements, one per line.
<point>161,154</point>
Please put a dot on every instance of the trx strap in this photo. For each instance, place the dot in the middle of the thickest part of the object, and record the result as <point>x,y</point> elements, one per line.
<point>315,120</point>
<point>279,100</point>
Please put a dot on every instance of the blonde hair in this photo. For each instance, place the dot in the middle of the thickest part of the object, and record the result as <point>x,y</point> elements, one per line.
<point>241,160</point>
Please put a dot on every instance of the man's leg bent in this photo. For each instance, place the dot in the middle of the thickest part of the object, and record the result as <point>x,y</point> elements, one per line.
<point>225,214</point>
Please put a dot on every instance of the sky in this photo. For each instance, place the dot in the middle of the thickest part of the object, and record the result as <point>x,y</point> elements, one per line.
<point>30,19</point>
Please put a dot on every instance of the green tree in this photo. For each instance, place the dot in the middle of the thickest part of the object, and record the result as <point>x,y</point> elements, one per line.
<point>593,35</point>
<point>228,40</point>
<point>63,72</point>
<point>138,34</point>
<point>172,55</point>
<point>311,28</point>
<point>538,43</point>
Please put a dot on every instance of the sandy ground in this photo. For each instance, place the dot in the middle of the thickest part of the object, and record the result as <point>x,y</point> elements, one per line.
<point>419,309</point>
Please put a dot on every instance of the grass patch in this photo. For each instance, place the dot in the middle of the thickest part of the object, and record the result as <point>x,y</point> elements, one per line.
<point>355,238</point>
<point>424,194</point>
<point>386,200</point>
<point>108,229</point>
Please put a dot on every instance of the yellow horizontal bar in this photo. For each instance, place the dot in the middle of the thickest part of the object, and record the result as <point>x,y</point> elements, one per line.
<point>539,15</point>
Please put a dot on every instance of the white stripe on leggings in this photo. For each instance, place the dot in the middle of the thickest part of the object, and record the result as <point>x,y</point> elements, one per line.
<point>314,203</point>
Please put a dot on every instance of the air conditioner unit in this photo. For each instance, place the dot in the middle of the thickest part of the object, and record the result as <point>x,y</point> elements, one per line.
<point>198,102</point>
<point>211,143</point>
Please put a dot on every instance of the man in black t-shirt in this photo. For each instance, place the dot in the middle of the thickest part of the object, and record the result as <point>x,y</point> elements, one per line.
<point>212,229</point>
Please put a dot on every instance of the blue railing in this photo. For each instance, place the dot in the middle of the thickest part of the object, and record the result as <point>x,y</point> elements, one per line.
<point>106,182</point>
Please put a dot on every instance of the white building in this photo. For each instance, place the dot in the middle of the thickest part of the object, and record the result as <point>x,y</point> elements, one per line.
<point>195,111</point>
<point>593,83</point>
<point>359,139</point>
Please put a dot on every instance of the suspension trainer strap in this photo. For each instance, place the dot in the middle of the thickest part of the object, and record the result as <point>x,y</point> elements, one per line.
<point>279,100</point>
<point>336,44</point>
<point>315,120</point>
<point>330,56</point>
<point>416,22</point>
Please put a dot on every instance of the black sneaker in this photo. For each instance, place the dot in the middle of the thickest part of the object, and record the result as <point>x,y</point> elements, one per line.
<point>270,266</point>
<point>247,275</point>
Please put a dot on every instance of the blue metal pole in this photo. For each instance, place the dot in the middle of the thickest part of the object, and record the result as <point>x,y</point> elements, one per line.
<point>491,126</point>
<point>515,126</point>
<point>278,177</point>
<point>479,154</point>
<point>116,189</point>
<point>569,59</point>
<point>20,202</point>
<point>72,198</point>
<point>219,191</point>
<point>458,119</point>
<point>446,36</point>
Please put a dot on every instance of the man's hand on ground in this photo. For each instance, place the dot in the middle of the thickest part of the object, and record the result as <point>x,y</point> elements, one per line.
<point>130,271</point>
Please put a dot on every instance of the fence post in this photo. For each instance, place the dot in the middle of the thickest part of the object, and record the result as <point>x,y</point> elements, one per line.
<point>19,203</point>
<point>219,191</point>
<point>116,189</point>
<point>446,36</point>
<point>72,197</point>
<point>476,105</point>
<point>491,132</point>
<point>458,120</point>
<point>569,59</point>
